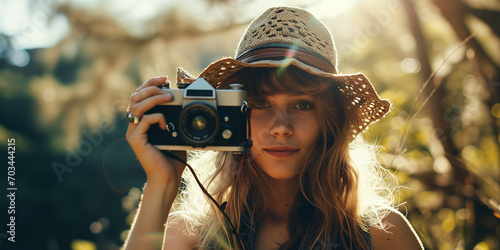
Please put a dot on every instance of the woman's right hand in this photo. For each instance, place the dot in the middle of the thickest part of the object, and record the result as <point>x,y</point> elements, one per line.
<point>158,167</point>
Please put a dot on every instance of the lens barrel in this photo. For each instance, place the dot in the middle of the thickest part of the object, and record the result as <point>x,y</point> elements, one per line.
<point>199,124</point>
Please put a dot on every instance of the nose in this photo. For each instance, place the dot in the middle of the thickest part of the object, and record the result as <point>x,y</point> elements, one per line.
<point>281,124</point>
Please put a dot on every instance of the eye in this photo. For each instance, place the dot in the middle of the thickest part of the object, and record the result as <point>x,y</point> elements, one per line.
<point>259,105</point>
<point>303,106</point>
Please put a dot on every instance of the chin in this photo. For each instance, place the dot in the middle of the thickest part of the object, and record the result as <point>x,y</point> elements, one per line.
<point>280,172</point>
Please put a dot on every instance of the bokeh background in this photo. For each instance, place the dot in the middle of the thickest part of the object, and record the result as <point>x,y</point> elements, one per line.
<point>68,67</point>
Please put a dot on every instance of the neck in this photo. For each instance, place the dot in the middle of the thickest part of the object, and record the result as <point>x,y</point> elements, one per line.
<point>280,198</point>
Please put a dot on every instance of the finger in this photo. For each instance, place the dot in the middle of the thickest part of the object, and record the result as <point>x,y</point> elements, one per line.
<point>145,93</point>
<point>146,121</point>
<point>147,98</point>
<point>142,107</point>
<point>157,81</point>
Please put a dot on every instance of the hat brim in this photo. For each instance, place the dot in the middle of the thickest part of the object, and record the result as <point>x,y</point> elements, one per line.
<point>356,87</point>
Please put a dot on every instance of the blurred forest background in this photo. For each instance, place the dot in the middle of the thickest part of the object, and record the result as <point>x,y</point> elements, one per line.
<point>68,67</point>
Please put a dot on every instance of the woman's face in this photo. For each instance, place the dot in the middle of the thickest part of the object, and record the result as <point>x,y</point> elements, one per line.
<point>285,129</point>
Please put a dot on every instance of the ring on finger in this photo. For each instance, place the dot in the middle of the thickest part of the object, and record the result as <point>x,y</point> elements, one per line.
<point>133,119</point>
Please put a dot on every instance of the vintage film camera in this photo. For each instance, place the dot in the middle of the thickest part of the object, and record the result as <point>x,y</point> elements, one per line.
<point>202,118</point>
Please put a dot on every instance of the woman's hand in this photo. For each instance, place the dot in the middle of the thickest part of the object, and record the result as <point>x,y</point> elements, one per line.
<point>158,168</point>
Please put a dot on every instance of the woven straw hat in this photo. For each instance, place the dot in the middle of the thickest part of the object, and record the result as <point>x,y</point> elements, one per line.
<point>283,36</point>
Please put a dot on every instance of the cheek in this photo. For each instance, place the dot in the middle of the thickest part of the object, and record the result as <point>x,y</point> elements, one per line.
<point>260,131</point>
<point>311,130</point>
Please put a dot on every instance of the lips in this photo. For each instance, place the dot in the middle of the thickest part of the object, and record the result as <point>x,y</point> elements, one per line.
<point>281,151</point>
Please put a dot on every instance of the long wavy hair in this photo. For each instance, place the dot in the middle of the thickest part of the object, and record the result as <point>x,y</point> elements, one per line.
<point>343,189</point>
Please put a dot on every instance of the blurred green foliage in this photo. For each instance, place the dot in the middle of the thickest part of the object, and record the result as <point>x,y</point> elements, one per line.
<point>79,182</point>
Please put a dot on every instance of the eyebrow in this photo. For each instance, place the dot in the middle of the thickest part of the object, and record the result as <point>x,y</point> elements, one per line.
<point>300,94</point>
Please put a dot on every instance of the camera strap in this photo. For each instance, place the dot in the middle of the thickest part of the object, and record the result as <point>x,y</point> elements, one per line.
<point>221,207</point>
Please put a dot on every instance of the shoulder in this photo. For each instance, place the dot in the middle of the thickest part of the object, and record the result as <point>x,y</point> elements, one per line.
<point>396,234</point>
<point>179,233</point>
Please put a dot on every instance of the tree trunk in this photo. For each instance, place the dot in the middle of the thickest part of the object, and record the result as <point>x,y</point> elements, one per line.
<point>442,127</point>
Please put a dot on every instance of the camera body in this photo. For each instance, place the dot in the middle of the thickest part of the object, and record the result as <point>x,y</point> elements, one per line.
<point>202,118</point>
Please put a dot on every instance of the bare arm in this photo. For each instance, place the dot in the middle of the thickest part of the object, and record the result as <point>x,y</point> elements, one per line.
<point>148,226</point>
<point>399,234</point>
<point>164,174</point>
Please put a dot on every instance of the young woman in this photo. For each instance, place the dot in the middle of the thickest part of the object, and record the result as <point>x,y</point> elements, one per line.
<point>309,182</point>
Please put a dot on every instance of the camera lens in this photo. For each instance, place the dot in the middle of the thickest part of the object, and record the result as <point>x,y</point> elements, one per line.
<point>199,124</point>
